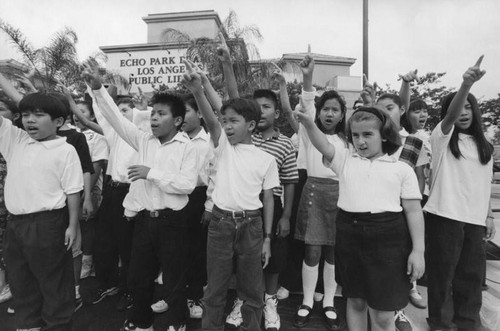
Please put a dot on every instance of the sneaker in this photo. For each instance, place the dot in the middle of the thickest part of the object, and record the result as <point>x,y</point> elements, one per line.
<point>282,293</point>
<point>125,302</point>
<point>402,322</point>
<point>5,295</point>
<point>271,316</point>
<point>160,306</point>
<point>234,319</point>
<point>195,310</point>
<point>101,293</point>
<point>416,299</point>
<point>11,310</point>
<point>318,296</point>
<point>78,303</point>
<point>129,326</point>
<point>181,327</point>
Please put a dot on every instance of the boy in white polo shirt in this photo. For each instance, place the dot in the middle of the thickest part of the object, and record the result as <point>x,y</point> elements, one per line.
<point>43,173</point>
<point>161,181</point>
<point>235,230</point>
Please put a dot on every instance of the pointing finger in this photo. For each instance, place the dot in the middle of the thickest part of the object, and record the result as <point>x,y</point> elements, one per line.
<point>140,90</point>
<point>309,48</point>
<point>479,61</point>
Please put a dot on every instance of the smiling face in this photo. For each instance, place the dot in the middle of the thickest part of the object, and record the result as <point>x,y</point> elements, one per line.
<point>367,139</point>
<point>392,109</point>
<point>237,129</point>
<point>465,120</point>
<point>163,123</point>
<point>86,113</point>
<point>418,118</point>
<point>268,113</point>
<point>39,125</point>
<point>330,115</point>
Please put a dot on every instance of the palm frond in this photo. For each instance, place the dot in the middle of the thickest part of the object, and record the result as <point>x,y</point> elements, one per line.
<point>174,36</point>
<point>19,40</point>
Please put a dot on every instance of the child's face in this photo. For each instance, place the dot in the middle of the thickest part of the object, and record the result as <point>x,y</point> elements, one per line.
<point>367,139</point>
<point>86,113</point>
<point>163,123</point>
<point>126,111</point>
<point>330,115</point>
<point>39,125</point>
<point>392,109</point>
<point>191,120</point>
<point>237,129</point>
<point>465,120</point>
<point>418,118</point>
<point>268,113</point>
<point>6,112</point>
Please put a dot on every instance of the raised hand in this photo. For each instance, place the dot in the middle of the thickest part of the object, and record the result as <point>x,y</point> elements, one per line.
<point>307,65</point>
<point>223,53</point>
<point>410,77</point>
<point>474,73</point>
<point>278,74</point>
<point>90,74</point>
<point>140,101</point>
<point>368,92</point>
<point>191,79</point>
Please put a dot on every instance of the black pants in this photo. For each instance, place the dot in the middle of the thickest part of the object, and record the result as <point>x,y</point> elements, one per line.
<point>41,270</point>
<point>279,246</point>
<point>455,269</point>
<point>159,244</point>
<point>197,236</point>
<point>113,239</point>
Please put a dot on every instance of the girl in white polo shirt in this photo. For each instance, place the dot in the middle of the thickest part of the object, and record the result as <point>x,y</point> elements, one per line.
<point>376,252</point>
<point>459,214</point>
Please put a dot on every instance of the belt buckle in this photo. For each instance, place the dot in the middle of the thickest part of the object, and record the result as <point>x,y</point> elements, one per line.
<point>154,214</point>
<point>238,214</point>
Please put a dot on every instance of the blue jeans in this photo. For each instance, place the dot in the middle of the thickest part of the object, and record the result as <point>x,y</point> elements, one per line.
<point>242,238</point>
<point>455,270</point>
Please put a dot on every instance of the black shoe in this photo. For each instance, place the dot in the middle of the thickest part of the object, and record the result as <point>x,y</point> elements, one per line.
<point>331,323</point>
<point>301,321</point>
<point>125,302</point>
<point>101,293</point>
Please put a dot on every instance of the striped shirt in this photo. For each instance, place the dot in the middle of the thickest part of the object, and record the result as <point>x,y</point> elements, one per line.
<point>281,147</point>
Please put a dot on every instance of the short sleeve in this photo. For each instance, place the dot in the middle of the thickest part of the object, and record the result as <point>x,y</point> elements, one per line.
<point>439,140</point>
<point>342,153</point>
<point>271,178</point>
<point>100,150</point>
<point>409,184</point>
<point>222,144</point>
<point>10,135</point>
<point>72,177</point>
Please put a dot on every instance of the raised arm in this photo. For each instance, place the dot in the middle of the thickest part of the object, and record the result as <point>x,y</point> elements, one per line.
<point>285,100</point>
<point>212,95</point>
<point>192,81</point>
<point>472,75</point>
<point>368,92</point>
<point>74,109</point>
<point>9,89</point>
<point>405,90</point>
<point>227,68</point>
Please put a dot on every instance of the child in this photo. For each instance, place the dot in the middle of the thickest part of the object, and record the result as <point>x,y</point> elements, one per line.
<point>98,149</point>
<point>42,192</point>
<point>318,204</point>
<point>8,110</point>
<point>157,199</point>
<point>373,255</point>
<point>459,216</point>
<point>236,228</point>
<point>270,140</point>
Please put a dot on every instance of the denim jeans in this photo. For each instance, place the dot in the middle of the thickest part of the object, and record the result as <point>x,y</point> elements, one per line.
<point>242,238</point>
<point>455,267</point>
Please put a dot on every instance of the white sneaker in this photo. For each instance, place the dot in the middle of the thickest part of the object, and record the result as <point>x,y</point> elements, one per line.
<point>234,319</point>
<point>271,317</point>
<point>318,296</point>
<point>181,327</point>
<point>282,293</point>
<point>159,306</point>
<point>5,295</point>
<point>195,310</point>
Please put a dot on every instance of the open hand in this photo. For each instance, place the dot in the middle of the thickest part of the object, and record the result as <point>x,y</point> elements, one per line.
<point>90,75</point>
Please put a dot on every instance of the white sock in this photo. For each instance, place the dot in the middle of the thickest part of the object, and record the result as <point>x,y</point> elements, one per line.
<point>414,285</point>
<point>330,287</point>
<point>77,292</point>
<point>309,280</point>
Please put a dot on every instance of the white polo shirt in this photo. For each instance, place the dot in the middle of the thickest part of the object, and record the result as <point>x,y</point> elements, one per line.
<point>173,164</point>
<point>243,172</point>
<point>309,157</point>
<point>40,174</point>
<point>460,188</point>
<point>372,186</point>
<point>98,148</point>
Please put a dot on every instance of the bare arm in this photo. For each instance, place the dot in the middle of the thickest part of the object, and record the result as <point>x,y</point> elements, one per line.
<point>490,224</point>
<point>227,68</point>
<point>10,90</point>
<point>74,212</point>
<point>405,90</point>
<point>268,202</point>
<point>285,101</point>
<point>472,75</point>
<point>74,109</point>
<point>415,220</point>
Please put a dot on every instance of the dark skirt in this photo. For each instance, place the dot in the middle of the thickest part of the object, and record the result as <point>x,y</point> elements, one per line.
<point>317,212</point>
<point>371,257</point>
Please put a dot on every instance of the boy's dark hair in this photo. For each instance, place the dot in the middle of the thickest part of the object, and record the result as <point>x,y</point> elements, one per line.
<point>174,102</point>
<point>484,148</point>
<point>125,100</point>
<point>88,105</point>
<point>414,105</point>
<point>268,94</point>
<point>61,97</point>
<point>45,102</point>
<point>355,104</point>
<point>11,105</point>
<point>332,94</point>
<point>395,98</point>
<point>388,130</point>
<point>248,108</point>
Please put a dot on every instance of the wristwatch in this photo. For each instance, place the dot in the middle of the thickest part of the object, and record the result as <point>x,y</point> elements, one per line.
<point>268,235</point>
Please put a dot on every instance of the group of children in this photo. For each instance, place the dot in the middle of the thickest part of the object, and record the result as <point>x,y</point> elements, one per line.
<point>206,190</point>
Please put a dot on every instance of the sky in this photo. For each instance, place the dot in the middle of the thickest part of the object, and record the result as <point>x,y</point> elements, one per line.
<point>428,35</point>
